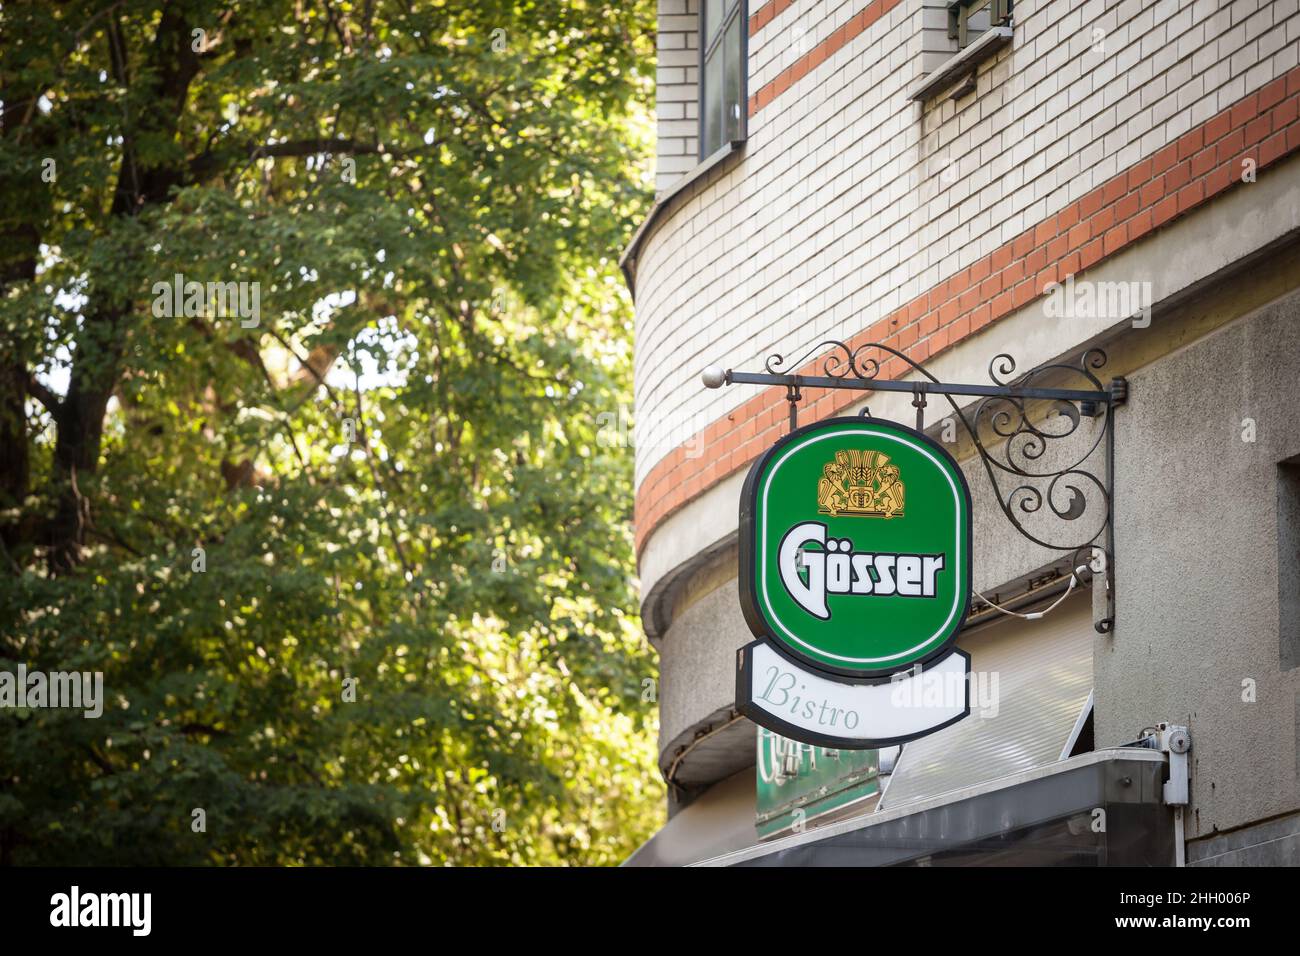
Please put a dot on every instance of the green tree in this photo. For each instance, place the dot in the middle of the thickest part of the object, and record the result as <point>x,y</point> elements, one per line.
<point>356,564</point>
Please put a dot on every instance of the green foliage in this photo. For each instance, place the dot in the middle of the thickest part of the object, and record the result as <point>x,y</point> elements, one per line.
<point>433,220</point>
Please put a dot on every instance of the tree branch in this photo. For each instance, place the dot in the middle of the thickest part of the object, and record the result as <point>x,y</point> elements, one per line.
<point>45,396</point>
<point>310,147</point>
<point>209,163</point>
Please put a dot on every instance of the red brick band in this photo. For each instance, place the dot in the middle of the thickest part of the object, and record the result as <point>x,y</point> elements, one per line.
<point>766,14</point>
<point>1200,164</point>
<point>817,55</point>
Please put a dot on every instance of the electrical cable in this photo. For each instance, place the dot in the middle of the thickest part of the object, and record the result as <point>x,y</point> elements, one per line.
<point>1035,615</point>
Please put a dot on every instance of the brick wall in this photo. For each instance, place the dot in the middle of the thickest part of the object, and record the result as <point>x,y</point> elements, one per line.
<point>936,45</point>
<point>677,91</point>
<point>858,213</point>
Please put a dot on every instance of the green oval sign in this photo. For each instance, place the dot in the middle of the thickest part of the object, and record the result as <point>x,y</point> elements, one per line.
<point>855,547</point>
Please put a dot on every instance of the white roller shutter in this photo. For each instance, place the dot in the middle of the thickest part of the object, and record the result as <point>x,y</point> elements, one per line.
<point>1044,678</point>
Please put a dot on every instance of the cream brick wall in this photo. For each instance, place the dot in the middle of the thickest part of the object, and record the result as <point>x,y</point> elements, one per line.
<point>936,45</point>
<point>840,211</point>
<point>677,91</point>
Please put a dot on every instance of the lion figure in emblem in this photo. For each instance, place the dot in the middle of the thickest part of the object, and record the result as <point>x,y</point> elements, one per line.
<point>832,489</point>
<point>889,493</point>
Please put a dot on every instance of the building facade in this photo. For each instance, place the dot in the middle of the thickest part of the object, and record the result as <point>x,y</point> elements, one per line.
<point>958,182</point>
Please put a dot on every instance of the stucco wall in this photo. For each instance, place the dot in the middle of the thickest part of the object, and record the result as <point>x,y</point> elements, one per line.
<point>1196,565</point>
<point>698,674</point>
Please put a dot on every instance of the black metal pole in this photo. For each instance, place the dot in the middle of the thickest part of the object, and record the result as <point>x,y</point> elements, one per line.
<point>946,388</point>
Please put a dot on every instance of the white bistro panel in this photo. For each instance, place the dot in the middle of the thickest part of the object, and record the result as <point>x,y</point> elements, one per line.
<point>803,705</point>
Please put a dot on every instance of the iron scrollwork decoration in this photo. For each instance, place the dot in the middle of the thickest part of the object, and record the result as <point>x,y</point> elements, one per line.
<point>1024,444</point>
<point>1028,419</point>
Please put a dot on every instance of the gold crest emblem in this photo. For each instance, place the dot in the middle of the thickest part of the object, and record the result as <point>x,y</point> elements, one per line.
<point>860,483</point>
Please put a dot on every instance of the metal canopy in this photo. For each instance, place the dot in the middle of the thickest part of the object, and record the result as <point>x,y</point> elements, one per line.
<point>1102,808</point>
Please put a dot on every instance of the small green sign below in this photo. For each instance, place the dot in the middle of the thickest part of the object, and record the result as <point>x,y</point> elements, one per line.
<point>799,782</point>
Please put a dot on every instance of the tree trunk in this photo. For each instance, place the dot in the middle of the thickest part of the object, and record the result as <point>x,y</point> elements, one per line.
<point>97,360</point>
<point>81,428</point>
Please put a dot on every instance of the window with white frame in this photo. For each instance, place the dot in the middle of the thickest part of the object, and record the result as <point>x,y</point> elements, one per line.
<point>723,73</point>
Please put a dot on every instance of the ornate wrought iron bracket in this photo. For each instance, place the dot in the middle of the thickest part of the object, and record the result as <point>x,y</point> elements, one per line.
<point>1002,417</point>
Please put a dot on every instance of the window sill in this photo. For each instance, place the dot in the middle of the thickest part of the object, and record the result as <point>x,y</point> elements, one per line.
<point>961,64</point>
<point>665,201</point>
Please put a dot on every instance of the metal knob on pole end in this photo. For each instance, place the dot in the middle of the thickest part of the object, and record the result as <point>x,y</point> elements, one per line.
<point>713,377</point>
